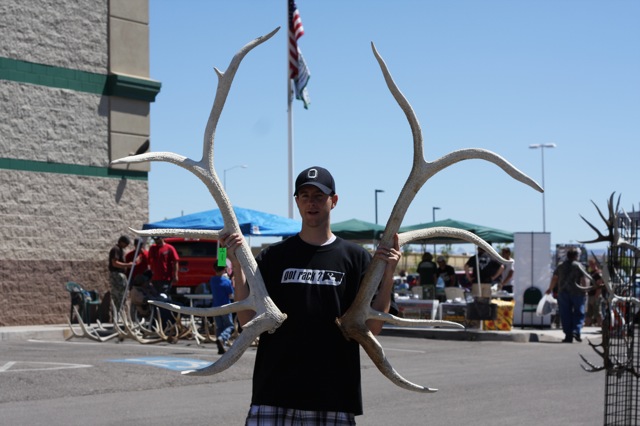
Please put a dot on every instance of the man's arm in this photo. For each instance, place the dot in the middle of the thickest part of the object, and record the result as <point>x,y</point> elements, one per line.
<point>506,280</point>
<point>241,287</point>
<point>382,300</point>
<point>116,263</point>
<point>498,273</point>
<point>468,268</point>
<point>552,284</point>
<point>176,265</point>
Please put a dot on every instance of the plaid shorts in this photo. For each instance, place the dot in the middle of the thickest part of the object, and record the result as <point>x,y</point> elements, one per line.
<point>266,415</point>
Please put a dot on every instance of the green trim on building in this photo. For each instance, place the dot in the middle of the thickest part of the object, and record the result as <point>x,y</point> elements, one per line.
<point>132,88</point>
<point>71,169</point>
<point>81,81</point>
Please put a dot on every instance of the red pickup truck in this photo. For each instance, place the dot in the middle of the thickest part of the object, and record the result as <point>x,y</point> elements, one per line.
<point>197,260</point>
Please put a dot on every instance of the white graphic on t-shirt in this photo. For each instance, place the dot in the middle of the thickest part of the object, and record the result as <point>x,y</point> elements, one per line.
<point>312,276</point>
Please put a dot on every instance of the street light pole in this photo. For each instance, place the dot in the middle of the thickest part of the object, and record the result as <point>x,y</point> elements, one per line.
<point>224,174</point>
<point>542,146</point>
<point>433,213</point>
<point>376,196</point>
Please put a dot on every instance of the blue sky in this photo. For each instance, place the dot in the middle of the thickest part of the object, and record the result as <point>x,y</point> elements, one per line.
<point>498,75</point>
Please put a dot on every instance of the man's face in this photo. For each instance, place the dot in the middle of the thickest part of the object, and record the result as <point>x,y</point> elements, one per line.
<point>314,205</point>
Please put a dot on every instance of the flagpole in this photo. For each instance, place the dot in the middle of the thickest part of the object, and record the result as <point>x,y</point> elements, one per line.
<point>290,143</point>
<point>290,189</point>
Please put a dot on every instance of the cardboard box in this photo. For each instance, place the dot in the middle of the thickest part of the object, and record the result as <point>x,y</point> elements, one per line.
<point>417,308</point>
<point>485,290</point>
<point>504,316</point>
<point>455,312</point>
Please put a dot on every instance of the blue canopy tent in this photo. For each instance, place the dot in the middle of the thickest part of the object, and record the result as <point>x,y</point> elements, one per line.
<point>252,223</point>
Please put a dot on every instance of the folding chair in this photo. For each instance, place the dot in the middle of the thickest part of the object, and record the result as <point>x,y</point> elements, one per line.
<point>530,301</point>
<point>86,301</point>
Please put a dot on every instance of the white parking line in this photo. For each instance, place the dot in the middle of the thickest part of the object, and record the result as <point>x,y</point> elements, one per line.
<point>49,366</point>
<point>212,350</point>
<point>7,366</point>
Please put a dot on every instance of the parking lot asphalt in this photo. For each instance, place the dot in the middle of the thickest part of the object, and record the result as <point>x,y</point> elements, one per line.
<point>484,378</point>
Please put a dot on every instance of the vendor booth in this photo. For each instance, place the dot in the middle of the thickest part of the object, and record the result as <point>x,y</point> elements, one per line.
<point>252,222</point>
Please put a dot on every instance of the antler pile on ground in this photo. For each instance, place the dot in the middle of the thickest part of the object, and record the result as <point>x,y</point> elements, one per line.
<point>268,316</point>
<point>143,329</point>
<point>621,231</point>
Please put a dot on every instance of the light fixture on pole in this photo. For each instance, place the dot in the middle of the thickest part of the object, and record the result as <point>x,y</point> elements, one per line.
<point>224,174</point>
<point>376,194</point>
<point>433,214</point>
<point>542,146</point>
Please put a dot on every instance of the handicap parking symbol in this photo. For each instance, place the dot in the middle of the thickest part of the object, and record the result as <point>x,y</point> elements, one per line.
<point>170,363</point>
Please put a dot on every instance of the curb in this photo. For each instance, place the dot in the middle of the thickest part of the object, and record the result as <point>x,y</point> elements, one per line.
<point>470,335</point>
<point>46,332</point>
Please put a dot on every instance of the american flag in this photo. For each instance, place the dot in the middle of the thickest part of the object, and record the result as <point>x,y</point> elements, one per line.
<point>298,70</point>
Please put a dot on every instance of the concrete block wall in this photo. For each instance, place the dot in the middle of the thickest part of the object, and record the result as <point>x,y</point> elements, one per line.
<point>68,34</point>
<point>61,206</point>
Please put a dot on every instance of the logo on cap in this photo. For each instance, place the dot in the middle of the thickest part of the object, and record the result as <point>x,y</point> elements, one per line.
<point>318,177</point>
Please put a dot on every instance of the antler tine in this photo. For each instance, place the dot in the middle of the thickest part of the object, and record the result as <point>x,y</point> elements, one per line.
<point>204,169</point>
<point>604,219</point>
<point>352,323</point>
<point>240,345</point>
<point>224,85</point>
<point>589,278</point>
<point>592,367</point>
<point>418,156</point>
<point>177,232</point>
<point>241,305</point>
<point>615,211</point>
<point>595,347</point>
<point>597,231</point>
<point>445,231</point>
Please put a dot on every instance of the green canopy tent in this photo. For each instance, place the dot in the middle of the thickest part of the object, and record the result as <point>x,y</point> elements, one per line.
<point>491,235</point>
<point>355,229</point>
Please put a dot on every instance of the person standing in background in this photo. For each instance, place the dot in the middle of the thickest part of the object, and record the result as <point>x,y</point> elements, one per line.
<point>117,266</point>
<point>163,259</point>
<point>141,262</point>
<point>222,293</point>
<point>594,297</point>
<point>571,299</point>
<point>506,279</point>
<point>427,270</point>
<point>446,272</point>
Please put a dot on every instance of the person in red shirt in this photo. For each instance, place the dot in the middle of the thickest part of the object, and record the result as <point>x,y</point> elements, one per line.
<point>163,259</point>
<point>142,261</point>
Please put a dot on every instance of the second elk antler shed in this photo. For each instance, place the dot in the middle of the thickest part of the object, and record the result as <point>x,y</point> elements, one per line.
<point>353,321</point>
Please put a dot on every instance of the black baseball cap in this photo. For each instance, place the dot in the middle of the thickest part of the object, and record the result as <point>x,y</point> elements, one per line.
<point>318,177</point>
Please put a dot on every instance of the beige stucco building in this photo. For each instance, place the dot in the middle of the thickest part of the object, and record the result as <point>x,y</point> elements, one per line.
<point>75,93</point>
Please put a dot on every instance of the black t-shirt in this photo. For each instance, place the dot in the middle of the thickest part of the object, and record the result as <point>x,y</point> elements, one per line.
<point>307,363</point>
<point>448,275</point>
<point>488,267</point>
<point>569,274</point>
<point>116,253</point>
<point>427,270</point>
